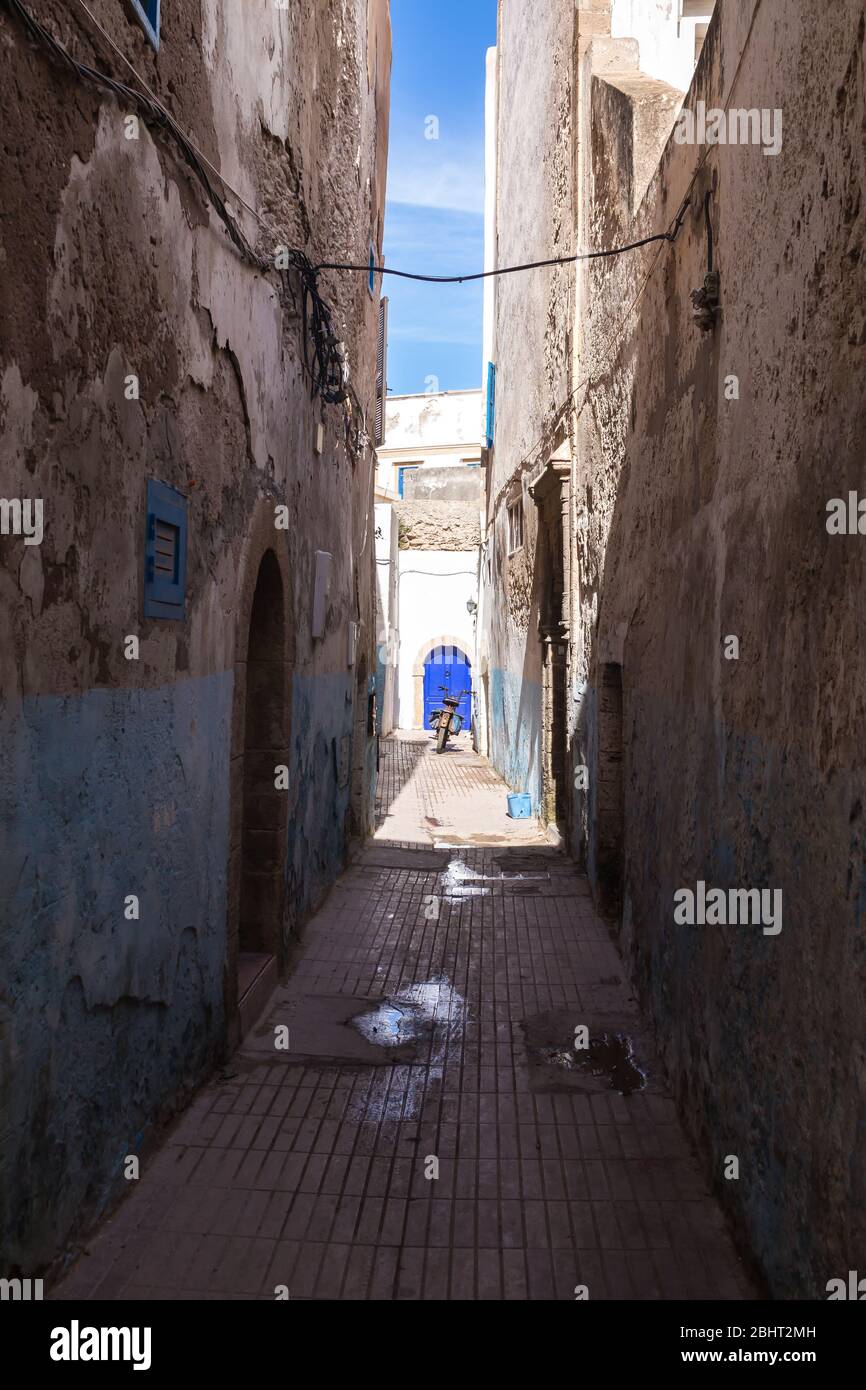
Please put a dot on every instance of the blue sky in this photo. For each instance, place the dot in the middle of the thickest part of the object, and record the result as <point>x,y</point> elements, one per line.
<point>434,216</point>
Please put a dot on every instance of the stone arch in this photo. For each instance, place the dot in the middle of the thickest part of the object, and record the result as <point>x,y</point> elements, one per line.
<point>263,659</point>
<point>418,671</point>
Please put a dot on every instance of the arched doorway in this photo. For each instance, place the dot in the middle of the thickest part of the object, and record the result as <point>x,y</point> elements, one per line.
<point>262,792</point>
<point>447,666</point>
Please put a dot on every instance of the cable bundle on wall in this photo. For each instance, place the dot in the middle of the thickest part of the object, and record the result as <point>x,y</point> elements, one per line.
<point>324,361</point>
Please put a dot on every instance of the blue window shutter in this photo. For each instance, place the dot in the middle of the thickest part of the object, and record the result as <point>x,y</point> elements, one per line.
<point>371,278</point>
<point>491,404</point>
<point>165,552</point>
<point>148,14</point>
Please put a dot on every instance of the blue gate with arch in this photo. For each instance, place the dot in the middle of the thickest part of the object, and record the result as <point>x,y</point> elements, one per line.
<point>451,667</point>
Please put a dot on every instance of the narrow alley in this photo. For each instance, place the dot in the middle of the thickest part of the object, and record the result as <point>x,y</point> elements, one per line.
<point>432,674</point>
<point>432,1131</point>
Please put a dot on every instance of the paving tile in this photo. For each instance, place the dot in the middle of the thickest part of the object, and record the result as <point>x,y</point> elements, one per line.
<point>313,1173</point>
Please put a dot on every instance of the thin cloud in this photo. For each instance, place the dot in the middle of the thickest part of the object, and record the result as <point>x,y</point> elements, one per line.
<point>429,178</point>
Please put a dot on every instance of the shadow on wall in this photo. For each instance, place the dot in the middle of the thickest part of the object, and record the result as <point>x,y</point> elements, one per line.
<point>364,753</point>
<point>710,769</point>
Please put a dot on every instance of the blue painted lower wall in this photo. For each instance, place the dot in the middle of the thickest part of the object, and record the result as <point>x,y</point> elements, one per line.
<point>108,1021</point>
<point>109,1024</point>
<point>322,714</point>
<point>763,1036</point>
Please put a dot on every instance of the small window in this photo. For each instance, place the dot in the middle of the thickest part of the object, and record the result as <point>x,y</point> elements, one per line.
<point>401,476</point>
<point>165,552</point>
<point>148,14</point>
<point>515,526</point>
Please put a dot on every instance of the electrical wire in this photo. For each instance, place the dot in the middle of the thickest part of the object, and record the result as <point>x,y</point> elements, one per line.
<point>324,361</point>
<point>327,371</point>
<point>433,574</point>
<point>503,270</point>
<point>158,114</point>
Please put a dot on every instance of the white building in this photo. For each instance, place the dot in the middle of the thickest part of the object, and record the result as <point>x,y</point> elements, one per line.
<point>429,503</point>
<point>431,430</point>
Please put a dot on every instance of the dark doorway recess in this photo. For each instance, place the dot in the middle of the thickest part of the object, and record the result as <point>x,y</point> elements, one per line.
<point>551,494</point>
<point>611,793</point>
<point>264,821</point>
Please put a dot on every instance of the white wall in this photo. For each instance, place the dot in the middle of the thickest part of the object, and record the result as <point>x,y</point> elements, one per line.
<point>387,611</point>
<point>430,421</point>
<point>433,604</point>
<point>667,46</point>
<point>491,96</point>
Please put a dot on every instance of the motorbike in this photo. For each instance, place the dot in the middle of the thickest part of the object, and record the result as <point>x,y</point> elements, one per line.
<point>447,721</point>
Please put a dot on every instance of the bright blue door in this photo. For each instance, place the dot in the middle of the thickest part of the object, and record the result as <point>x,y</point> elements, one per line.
<point>447,666</point>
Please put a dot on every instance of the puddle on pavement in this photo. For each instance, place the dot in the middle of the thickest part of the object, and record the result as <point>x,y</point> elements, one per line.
<point>461,881</point>
<point>609,1056</point>
<point>609,1063</point>
<point>432,1009</point>
<point>388,1026</point>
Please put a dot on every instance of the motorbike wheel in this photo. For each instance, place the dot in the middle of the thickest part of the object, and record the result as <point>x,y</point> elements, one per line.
<point>442,734</point>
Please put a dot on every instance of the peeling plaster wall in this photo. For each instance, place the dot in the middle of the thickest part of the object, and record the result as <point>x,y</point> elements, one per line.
<point>115,772</point>
<point>432,421</point>
<point>434,430</point>
<point>706,517</point>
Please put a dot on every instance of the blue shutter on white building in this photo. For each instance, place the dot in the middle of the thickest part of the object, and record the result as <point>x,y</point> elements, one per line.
<point>491,405</point>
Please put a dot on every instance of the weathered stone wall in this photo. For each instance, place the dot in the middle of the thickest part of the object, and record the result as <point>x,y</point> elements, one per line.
<point>532,326</point>
<point>704,517</point>
<point>115,772</point>
<point>427,525</point>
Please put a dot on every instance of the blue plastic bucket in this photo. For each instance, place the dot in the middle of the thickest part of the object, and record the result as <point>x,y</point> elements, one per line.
<point>520,806</point>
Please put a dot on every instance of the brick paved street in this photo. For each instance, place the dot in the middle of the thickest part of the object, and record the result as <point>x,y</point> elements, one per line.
<point>456,798</point>
<point>431,1015</point>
